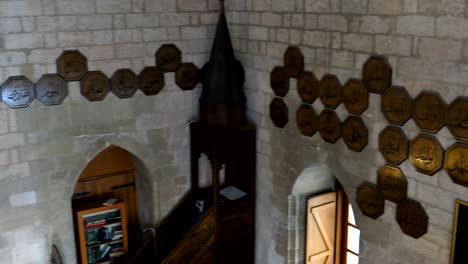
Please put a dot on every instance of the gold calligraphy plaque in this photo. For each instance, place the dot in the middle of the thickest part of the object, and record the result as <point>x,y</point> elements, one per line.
<point>294,61</point>
<point>51,89</point>
<point>329,126</point>
<point>308,87</point>
<point>355,97</point>
<point>18,92</point>
<point>279,81</point>
<point>412,218</point>
<point>370,200</point>
<point>429,112</point>
<point>377,74</point>
<point>279,112</point>
<point>392,183</point>
<point>151,80</point>
<point>456,163</point>
<point>72,65</point>
<point>330,91</point>
<point>168,58</point>
<point>124,83</point>
<point>307,120</point>
<point>426,154</point>
<point>457,118</point>
<point>396,105</point>
<point>393,144</point>
<point>354,133</point>
<point>95,86</point>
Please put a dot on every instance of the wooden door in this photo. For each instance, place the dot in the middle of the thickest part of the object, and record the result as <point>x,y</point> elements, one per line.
<point>320,230</point>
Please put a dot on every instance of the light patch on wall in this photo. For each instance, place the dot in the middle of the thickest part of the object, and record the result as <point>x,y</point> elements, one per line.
<point>22,199</point>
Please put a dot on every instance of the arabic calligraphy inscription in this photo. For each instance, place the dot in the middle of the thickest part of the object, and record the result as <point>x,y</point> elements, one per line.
<point>456,163</point>
<point>95,86</point>
<point>457,118</point>
<point>307,120</point>
<point>279,112</point>
<point>393,144</point>
<point>72,65</point>
<point>151,80</point>
<point>355,96</point>
<point>124,83</point>
<point>377,74</point>
<point>370,200</point>
<point>412,218</point>
<point>429,112</point>
<point>392,183</point>
<point>354,133</point>
<point>396,105</point>
<point>329,126</point>
<point>18,92</point>
<point>426,154</point>
<point>51,89</point>
<point>279,81</point>
<point>330,91</point>
<point>308,87</point>
<point>293,61</point>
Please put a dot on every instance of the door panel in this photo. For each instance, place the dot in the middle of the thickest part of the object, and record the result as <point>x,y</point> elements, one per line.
<point>321,222</point>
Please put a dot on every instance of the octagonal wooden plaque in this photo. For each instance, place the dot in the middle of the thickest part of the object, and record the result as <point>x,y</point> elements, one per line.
<point>72,65</point>
<point>95,86</point>
<point>457,118</point>
<point>412,218</point>
<point>279,81</point>
<point>355,97</point>
<point>151,80</point>
<point>51,89</point>
<point>124,83</point>
<point>393,144</point>
<point>354,133</point>
<point>429,112</point>
<point>370,200</point>
<point>18,92</point>
<point>187,76</point>
<point>293,61</point>
<point>307,120</point>
<point>392,183</point>
<point>330,91</point>
<point>168,58</point>
<point>329,126</point>
<point>308,87</point>
<point>377,74</point>
<point>279,112</point>
<point>426,154</point>
<point>456,163</point>
<point>396,105</point>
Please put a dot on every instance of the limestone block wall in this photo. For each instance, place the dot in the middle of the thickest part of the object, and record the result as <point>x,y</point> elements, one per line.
<point>43,149</point>
<point>425,42</point>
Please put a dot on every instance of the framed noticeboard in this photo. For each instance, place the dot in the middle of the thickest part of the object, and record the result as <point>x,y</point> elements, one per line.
<point>459,254</point>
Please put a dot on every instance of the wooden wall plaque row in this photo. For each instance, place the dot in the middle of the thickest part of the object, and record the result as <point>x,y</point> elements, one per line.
<point>72,65</point>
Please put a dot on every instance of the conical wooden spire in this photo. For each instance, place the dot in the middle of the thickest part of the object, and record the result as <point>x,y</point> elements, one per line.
<point>222,102</point>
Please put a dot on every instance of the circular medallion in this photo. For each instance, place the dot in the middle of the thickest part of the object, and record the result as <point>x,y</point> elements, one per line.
<point>279,81</point>
<point>72,65</point>
<point>307,120</point>
<point>51,89</point>
<point>308,87</point>
<point>377,74</point>
<point>168,58</point>
<point>124,83</point>
<point>396,105</point>
<point>354,133</point>
<point>187,76</point>
<point>393,144</point>
<point>392,183</point>
<point>429,112</point>
<point>355,97</point>
<point>18,92</point>
<point>426,154</point>
<point>456,163</point>
<point>329,126</point>
<point>95,86</point>
<point>151,80</point>
<point>293,61</point>
<point>412,218</point>
<point>279,112</point>
<point>457,118</point>
<point>330,91</point>
<point>370,200</point>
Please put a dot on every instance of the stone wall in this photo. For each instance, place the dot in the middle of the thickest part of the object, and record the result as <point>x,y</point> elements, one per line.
<point>425,42</point>
<point>43,149</point>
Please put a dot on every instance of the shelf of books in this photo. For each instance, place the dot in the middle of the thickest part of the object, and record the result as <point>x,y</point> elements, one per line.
<point>103,234</point>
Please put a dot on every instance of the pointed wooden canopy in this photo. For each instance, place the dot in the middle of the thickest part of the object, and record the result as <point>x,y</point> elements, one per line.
<point>222,102</point>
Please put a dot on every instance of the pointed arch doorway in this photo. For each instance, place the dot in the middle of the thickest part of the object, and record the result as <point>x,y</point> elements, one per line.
<point>112,174</point>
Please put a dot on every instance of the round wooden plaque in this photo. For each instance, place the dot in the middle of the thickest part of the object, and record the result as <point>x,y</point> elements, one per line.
<point>168,58</point>
<point>396,105</point>
<point>308,87</point>
<point>279,112</point>
<point>392,183</point>
<point>457,118</point>
<point>426,154</point>
<point>307,120</point>
<point>187,76</point>
<point>124,83</point>
<point>51,89</point>
<point>72,65</point>
<point>429,112</point>
<point>355,97</point>
<point>412,218</point>
<point>354,133</point>
<point>370,200</point>
<point>279,81</point>
<point>456,163</point>
<point>377,74</point>
<point>293,61</point>
<point>18,92</point>
<point>329,126</point>
<point>330,91</point>
<point>393,144</point>
<point>95,86</point>
<point>151,80</point>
